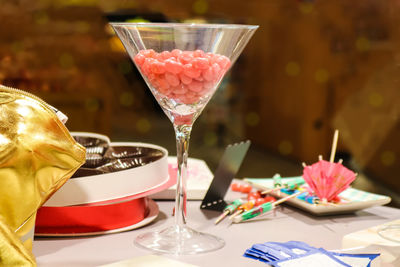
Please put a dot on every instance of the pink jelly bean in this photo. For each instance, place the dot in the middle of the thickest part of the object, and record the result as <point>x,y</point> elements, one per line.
<point>199,53</point>
<point>147,65</point>
<point>172,79</point>
<point>208,74</point>
<point>157,67</point>
<point>192,96</point>
<point>201,63</point>
<point>185,79</point>
<point>204,91</point>
<point>186,57</point>
<point>191,71</point>
<point>139,59</point>
<point>195,86</point>
<point>170,94</point>
<point>182,99</point>
<point>166,54</point>
<point>224,62</point>
<point>216,69</point>
<point>189,98</point>
<point>209,55</point>
<point>148,53</point>
<point>173,66</point>
<point>159,57</point>
<point>164,90</point>
<point>179,90</point>
<point>199,79</point>
<point>151,77</point>
<point>208,85</point>
<point>212,58</point>
<point>162,83</point>
<point>176,53</point>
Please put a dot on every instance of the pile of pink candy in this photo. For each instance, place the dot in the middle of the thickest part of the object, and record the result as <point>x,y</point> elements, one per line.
<point>184,76</point>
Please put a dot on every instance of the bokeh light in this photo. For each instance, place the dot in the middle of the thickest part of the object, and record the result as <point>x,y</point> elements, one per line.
<point>321,76</point>
<point>363,44</point>
<point>126,99</point>
<point>200,7</point>
<point>375,99</point>
<point>292,68</point>
<point>66,60</point>
<point>92,104</point>
<point>306,7</point>
<point>285,147</point>
<point>210,138</point>
<point>252,118</point>
<point>388,158</point>
<point>143,125</point>
<point>41,18</point>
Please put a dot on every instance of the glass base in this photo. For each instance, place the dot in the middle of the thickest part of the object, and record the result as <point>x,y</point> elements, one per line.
<point>179,240</point>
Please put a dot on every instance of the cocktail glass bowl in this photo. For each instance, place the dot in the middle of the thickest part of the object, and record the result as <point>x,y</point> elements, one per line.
<point>182,64</point>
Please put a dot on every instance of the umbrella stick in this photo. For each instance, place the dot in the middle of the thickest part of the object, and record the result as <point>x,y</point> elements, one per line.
<point>273,189</point>
<point>334,144</point>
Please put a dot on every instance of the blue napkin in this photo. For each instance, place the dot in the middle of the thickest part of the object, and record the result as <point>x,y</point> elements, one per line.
<point>297,253</point>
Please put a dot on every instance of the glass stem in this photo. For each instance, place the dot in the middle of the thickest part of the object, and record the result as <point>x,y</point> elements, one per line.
<point>182,134</point>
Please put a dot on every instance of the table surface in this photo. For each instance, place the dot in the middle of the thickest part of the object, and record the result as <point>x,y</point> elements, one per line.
<point>286,224</point>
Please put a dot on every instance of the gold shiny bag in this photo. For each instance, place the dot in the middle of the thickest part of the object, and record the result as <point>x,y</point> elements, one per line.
<point>37,156</point>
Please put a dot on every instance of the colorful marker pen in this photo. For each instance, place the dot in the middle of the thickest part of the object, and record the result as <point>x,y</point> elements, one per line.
<point>242,208</point>
<point>263,208</point>
<point>229,209</point>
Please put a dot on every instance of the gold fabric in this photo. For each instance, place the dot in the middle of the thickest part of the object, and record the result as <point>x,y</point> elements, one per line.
<point>12,250</point>
<point>37,156</point>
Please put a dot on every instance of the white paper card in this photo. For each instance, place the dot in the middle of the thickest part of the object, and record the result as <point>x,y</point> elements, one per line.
<point>313,260</point>
<point>149,261</point>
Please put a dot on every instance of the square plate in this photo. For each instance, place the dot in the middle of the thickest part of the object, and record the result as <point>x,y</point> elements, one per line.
<point>355,199</point>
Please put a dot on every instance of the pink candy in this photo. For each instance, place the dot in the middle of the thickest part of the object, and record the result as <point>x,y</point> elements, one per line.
<point>172,79</point>
<point>185,76</point>
<point>173,66</point>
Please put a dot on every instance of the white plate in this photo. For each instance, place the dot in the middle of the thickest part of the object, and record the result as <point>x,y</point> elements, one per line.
<point>356,199</point>
<point>151,216</point>
<point>108,186</point>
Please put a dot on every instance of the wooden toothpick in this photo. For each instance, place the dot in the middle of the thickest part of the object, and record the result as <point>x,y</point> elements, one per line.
<point>334,145</point>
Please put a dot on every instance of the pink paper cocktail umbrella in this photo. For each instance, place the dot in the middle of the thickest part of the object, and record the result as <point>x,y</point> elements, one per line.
<point>328,179</point>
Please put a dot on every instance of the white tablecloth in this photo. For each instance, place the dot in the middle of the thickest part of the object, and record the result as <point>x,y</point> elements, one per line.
<point>287,224</point>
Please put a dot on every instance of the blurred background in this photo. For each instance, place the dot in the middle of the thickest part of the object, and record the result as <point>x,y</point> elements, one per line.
<point>312,67</point>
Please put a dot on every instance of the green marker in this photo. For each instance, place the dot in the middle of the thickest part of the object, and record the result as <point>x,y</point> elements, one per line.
<point>263,208</point>
<point>229,209</point>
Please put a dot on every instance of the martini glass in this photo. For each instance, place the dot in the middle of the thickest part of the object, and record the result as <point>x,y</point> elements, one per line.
<point>182,64</point>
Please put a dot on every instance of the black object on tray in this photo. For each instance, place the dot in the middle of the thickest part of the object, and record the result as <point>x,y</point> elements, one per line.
<point>226,171</point>
<point>104,157</point>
